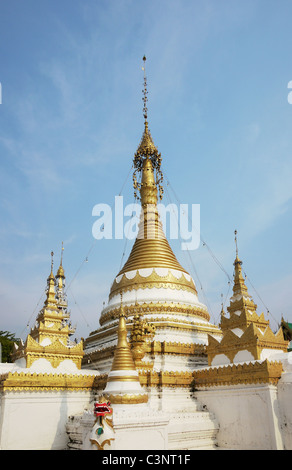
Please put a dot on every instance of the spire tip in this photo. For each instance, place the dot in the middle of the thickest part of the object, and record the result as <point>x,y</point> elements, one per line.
<point>235,233</point>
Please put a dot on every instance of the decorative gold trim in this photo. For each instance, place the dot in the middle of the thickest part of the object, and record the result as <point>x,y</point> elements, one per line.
<point>157,308</point>
<point>55,352</point>
<point>22,381</point>
<point>251,340</point>
<point>243,320</point>
<point>186,349</point>
<point>165,379</point>
<point>141,332</point>
<point>123,378</point>
<point>235,374</point>
<point>153,280</point>
<point>153,347</point>
<point>160,323</point>
<point>127,399</point>
<point>101,446</point>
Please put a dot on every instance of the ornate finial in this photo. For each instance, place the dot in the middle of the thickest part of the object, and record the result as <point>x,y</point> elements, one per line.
<point>52,260</point>
<point>237,260</point>
<point>122,311</point>
<point>51,285</point>
<point>62,254</point>
<point>60,273</point>
<point>145,92</point>
<point>147,150</point>
<point>222,306</point>
<point>235,233</point>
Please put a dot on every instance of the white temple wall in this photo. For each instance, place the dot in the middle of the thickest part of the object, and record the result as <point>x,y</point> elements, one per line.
<point>241,356</point>
<point>175,363</point>
<point>37,420</point>
<point>285,394</point>
<point>285,402</point>
<point>140,431</point>
<point>249,417</point>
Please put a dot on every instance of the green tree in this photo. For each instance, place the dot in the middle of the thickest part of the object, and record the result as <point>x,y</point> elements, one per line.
<point>7,340</point>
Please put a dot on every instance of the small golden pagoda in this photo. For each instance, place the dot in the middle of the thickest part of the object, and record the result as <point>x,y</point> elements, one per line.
<point>245,333</point>
<point>49,338</point>
<point>123,384</point>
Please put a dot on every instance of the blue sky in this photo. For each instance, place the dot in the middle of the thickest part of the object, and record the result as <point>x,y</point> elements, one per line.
<point>71,120</point>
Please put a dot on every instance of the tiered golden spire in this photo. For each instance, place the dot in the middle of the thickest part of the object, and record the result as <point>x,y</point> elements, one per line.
<point>60,273</point>
<point>241,300</point>
<point>151,248</point>
<point>123,359</point>
<point>123,384</point>
<point>61,296</point>
<point>48,339</point>
<point>51,301</point>
<point>239,286</point>
<point>256,335</point>
<point>60,283</point>
<point>147,149</point>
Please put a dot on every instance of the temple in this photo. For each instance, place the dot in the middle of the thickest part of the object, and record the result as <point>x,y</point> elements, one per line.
<point>156,373</point>
<point>49,339</point>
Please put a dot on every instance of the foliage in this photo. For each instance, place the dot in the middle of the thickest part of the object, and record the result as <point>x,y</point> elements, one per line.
<point>7,340</point>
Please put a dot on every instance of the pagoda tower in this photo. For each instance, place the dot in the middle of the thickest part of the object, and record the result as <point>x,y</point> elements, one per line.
<point>123,385</point>
<point>247,336</point>
<point>158,293</point>
<point>49,338</point>
<point>61,297</point>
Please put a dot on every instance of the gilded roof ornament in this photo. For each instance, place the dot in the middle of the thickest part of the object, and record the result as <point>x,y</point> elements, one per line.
<point>60,272</point>
<point>123,359</point>
<point>244,331</point>
<point>151,248</point>
<point>123,385</point>
<point>51,299</point>
<point>145,92</point>
<point>49,338</point>
<point>147,149</point>
<point>237,260</point>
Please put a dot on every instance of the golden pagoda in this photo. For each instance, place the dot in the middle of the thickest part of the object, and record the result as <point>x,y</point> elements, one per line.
<point>155,289</point>
<point>245,333</point>
<point>123,384</point>
<point>49,338</point>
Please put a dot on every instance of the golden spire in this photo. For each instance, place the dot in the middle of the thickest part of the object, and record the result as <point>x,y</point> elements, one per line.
<point>123,384</point>
<point>123,359</point>
<point>147,149</point>
<point>60,272</point>
<point>145,92</point>
<point>235,239</point>
<point>51,299</point>
<point>241,300</point>
<point>60,290</point>
<point>237,260</point>
<point>239,285</point>
<point>222,307</point>
<point>151,248</point>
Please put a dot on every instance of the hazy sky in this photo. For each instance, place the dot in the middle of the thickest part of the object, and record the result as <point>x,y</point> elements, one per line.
<point>71,120</point>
